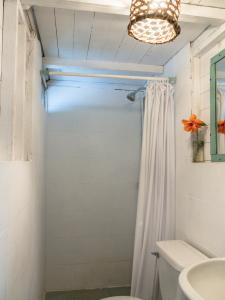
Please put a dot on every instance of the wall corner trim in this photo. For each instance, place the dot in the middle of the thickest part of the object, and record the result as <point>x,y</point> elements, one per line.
<point>208,40</point>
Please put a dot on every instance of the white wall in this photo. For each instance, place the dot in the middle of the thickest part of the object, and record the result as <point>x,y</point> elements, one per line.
<point>200,189</point>
<point>93,152</point>
<point>22,211</point>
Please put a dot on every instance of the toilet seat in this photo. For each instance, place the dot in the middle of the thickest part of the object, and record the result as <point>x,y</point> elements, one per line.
<point>121,298</point>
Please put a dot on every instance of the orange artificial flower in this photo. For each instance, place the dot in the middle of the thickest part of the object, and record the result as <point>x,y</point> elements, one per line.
<point>193,124</point>
<point>221,126</point>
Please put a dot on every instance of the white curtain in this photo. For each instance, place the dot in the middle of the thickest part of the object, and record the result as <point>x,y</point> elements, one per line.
<point>156,199</point>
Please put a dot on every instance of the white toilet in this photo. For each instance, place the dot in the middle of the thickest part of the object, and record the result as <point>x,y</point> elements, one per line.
<point>174,256</point>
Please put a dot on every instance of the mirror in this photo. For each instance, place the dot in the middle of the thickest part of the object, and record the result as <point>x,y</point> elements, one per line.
<point>217,109</point>
<point>220,105</point>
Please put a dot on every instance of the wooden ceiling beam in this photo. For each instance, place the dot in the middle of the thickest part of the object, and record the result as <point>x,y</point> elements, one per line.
<point>189,12</point>
<point>208,40</point>
<point>49,62</point>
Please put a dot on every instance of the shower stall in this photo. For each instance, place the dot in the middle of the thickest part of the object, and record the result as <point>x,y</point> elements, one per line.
<point>93,162</point>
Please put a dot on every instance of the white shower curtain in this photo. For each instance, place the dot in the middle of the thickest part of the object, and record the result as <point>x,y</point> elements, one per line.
<point>156,199</point>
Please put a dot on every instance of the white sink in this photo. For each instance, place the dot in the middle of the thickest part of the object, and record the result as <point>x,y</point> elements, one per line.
<point>204,281</point>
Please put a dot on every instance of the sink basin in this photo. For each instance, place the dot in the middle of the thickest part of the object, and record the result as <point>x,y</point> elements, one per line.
<point>204,281</point>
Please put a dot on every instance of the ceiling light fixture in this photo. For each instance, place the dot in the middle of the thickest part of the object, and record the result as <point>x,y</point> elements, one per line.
<point>154,21</point>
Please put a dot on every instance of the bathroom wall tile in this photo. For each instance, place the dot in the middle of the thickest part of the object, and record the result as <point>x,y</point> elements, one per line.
<point>77,214</point>
<point>21,194</point>
<point>20,237</point>
<point>80,224</point>
<point>5,187</point>
<point>70,250</point>
<point>204,82</point>
<point>59,278</point>
<point>92,181</point>
<point>88,276</point>
<point>207,151</point>
<point>87,169</point>
<point>205,99</point>
<point>3,266</point>
<point>204,68</point>
<point>108,274</point>
<point>200,189</point>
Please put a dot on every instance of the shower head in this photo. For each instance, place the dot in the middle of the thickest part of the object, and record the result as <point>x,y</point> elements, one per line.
<point>131,96</point>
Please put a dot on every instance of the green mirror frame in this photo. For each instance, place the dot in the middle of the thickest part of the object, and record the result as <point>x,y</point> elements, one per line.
<point>215,157</point>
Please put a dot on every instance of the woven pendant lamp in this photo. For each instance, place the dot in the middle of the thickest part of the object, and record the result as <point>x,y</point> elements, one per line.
<point>154,21</point>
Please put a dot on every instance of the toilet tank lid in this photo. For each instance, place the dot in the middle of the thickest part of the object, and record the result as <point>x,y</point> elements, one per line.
<point>179,254</point>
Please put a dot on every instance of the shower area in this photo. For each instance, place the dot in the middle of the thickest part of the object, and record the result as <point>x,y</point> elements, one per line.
<point>94,132</point>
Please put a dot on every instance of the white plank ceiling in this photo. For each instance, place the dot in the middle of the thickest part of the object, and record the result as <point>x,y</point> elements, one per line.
<point>209,3</point>
<point>96,36</point>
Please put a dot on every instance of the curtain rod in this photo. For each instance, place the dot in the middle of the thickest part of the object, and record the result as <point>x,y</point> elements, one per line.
<point>91,75</point>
